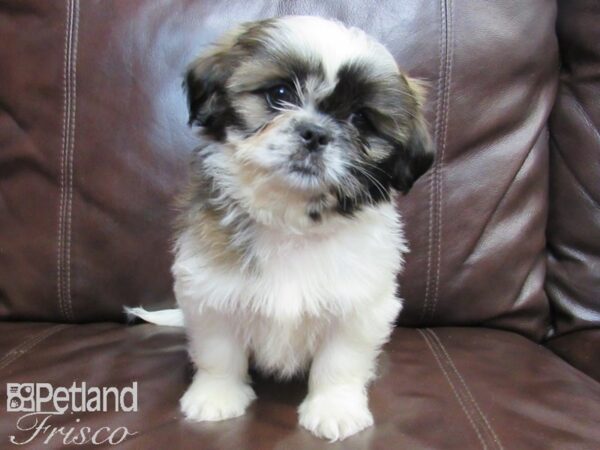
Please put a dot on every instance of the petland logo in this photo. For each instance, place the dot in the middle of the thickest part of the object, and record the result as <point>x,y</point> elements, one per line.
<point>41,402</point>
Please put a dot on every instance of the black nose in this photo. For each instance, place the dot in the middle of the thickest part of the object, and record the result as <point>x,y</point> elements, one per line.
<point>315,138</point>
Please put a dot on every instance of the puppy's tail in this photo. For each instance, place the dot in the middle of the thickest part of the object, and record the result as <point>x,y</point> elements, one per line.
<point>163,317</point>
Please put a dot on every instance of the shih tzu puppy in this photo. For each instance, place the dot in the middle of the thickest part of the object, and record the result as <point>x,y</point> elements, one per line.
<point>288,242</point>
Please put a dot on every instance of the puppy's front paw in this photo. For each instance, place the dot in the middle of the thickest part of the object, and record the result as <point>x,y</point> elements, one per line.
<point>336,414</point>
<point>211,398</point>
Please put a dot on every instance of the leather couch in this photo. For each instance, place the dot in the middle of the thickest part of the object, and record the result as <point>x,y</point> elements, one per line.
<point>498,346</point>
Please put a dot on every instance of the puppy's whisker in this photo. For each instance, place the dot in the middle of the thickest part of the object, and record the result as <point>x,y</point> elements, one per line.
<point>285,106</point>
<point>376,183</point>
<point>373,166</point>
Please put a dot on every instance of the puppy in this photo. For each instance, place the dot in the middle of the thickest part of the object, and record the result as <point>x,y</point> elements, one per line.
<point>288,244</point>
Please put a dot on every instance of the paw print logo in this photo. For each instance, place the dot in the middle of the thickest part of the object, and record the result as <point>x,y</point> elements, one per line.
<point>20,397</point>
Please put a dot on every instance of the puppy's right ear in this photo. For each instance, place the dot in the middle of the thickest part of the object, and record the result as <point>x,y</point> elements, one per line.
<point>418,151</point>
<point>207,99</point>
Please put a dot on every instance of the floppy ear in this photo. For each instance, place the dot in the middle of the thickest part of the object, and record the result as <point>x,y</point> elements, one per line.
<point>414,157</point>
<point>416,152</point>
<point>206,80</point>
<point>207,99</point>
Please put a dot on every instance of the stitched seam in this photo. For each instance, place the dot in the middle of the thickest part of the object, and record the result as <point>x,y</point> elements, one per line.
<point>69,302</point>
<point>466,388</point>
<point>61,207</point>
<point>433,175</point>
<point>61,179</point>
<point>28,344</point>
<point>66,166</point>
<point>429,249</point>
<point>454,389</point>
<point>449,45</point>
<point>68,119</point>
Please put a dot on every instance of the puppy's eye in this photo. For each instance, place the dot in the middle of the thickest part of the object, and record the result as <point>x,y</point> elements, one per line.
<point>360,119</point>
<point>280,95</point>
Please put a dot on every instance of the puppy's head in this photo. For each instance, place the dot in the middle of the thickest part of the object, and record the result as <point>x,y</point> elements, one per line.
<point>316,109</point>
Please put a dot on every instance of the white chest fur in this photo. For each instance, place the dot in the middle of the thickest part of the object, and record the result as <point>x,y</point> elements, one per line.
<point>304,284</point>
<point>299,275</point>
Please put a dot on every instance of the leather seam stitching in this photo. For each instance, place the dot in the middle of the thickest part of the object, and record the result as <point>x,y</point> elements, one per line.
<point>61,207</point>
<point>25,346</point>
<point>75,39</point>
<point>466,389</point>
<point>433,174</point>
<point>453,387</point>
<point>449,49</point>
<point>66,161</point>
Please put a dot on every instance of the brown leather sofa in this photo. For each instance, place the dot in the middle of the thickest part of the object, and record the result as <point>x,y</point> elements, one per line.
<point>499,343</point>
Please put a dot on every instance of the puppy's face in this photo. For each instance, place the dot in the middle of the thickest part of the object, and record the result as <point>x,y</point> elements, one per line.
<point>318,109</point>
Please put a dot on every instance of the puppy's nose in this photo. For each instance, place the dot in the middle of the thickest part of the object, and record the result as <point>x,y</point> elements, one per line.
<point>315,138</point>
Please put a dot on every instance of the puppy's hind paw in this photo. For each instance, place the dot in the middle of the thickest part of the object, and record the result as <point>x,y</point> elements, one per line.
<point>335,415</point>
<point>213,399</point>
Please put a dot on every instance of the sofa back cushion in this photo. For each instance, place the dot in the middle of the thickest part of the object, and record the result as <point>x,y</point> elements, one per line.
<point>573,281</point>
<point>94,146</point>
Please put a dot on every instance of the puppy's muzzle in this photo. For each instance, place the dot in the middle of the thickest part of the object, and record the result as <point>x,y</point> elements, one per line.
<point>314,137</point>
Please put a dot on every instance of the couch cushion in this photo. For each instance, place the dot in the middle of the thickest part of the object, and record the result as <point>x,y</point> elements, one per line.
<point>451,388</point>
<point>94,143</point>
<point>580,348</point>
<point>573,282</point>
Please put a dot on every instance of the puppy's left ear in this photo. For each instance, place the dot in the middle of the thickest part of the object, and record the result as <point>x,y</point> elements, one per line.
<point>205,87</point>
<point>417,151</point>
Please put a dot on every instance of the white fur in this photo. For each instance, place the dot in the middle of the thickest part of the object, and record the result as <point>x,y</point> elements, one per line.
<point>339,272</point>
<point>323,295</point>
<point>166,317</point>
<point>337,43</point>
<point>328,299</point>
